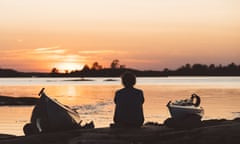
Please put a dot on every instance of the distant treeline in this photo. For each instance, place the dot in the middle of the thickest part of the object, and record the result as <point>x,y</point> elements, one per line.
<point>186,70</point>
<point>206,70</point>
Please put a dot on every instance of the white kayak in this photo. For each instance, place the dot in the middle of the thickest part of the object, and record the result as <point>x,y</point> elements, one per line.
<point>184,108</point>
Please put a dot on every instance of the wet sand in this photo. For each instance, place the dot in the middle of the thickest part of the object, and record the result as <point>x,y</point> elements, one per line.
<point>211,131</point>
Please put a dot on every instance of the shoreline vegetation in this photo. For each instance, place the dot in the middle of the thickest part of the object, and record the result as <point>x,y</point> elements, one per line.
<point>219,131</point>
<point>115,71</point>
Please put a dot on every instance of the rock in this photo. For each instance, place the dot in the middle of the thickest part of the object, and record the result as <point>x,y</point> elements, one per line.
<point>189,122</point>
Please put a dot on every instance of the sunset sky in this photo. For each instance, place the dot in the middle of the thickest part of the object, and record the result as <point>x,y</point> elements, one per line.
<point>37,35</point>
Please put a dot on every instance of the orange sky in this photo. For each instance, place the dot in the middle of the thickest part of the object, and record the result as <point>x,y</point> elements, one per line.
<point>36,35</point>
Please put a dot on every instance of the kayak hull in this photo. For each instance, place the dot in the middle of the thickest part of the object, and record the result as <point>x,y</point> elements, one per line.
<point>50,115</point>
<point>180,112</point>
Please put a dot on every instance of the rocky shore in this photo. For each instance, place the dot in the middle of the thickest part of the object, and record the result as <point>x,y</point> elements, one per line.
<point>210,132</point>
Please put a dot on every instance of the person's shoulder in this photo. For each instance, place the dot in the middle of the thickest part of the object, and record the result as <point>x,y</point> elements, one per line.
<point>138,90</point>
<point>120,90</point>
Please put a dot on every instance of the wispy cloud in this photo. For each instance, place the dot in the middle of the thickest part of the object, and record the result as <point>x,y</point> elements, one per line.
<point>50,50</point>
<point>58,54</point>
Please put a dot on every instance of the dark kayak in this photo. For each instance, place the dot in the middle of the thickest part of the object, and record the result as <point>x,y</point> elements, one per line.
<point>49,115</point>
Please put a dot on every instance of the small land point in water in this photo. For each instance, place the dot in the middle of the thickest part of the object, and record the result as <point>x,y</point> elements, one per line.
<point>80,79</point>
<point>8,100</point>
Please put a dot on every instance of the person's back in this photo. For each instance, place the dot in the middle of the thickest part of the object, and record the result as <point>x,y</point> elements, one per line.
<point>129,104</point>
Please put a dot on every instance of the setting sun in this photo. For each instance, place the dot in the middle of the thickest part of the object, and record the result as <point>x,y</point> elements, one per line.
<point>68,66</point>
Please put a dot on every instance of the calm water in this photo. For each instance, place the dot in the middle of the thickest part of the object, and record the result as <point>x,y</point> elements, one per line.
<point>94,99</point>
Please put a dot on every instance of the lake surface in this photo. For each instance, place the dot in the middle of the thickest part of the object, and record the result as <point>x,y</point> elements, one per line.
<point>93,97</point>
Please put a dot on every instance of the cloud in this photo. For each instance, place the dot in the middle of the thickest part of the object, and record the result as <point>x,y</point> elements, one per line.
<point>50,50</point>
<point>58,54</point>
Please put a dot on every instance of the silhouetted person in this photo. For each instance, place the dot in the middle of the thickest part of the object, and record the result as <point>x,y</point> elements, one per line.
<point>129,103</point>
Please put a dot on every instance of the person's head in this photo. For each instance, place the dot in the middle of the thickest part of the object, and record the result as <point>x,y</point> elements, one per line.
<point>128,79</point>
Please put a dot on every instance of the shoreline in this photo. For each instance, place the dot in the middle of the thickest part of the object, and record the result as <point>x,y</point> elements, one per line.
<point>219,131</point>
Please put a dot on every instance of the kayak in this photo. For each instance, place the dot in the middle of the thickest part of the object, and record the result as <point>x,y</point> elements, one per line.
<point>185,108</point>
<point>50,115</point>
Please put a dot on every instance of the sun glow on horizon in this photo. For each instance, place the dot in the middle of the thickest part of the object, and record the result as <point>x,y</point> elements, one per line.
<point>68,66</point>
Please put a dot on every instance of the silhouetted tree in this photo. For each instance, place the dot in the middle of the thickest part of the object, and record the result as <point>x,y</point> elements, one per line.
<point>199,69</point>
<point>122,66</point>
<point>232,66</point>
<point>115,64</point>
<point>166,70</point>
<point>85,68</point>
<point>211,67</point>
<point>55,70</point>
<point>66,71</point>
<point>187,68</point>
<point>96,66</point>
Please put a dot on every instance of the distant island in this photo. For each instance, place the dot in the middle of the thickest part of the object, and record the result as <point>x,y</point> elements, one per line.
<point>115,71</point>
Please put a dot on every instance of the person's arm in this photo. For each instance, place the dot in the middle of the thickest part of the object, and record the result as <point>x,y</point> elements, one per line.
<point>115,98</point>
<point>115,117</point>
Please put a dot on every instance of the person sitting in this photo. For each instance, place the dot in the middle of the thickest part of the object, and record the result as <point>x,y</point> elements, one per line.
<point>128,104</point>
